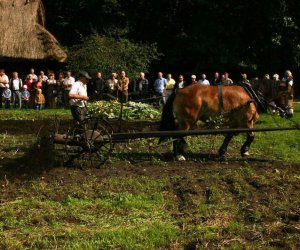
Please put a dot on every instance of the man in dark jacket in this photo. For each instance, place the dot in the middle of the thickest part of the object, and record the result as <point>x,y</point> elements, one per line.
<point>98,85</point>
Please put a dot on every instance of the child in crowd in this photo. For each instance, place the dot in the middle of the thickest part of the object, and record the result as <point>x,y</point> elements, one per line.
<point>25,95</point>
<point>6,96</point>
<point>39,100</point>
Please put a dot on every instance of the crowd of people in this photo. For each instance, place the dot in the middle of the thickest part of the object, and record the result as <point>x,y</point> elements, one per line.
<point>40,91</point>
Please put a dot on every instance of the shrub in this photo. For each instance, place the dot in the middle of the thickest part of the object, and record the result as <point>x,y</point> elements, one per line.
<point>108,54</point>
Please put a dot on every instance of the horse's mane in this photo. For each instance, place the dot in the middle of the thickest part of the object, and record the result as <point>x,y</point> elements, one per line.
<point>266,88</point>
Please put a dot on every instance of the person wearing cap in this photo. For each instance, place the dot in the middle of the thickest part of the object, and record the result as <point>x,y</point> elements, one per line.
<point>78,96</point>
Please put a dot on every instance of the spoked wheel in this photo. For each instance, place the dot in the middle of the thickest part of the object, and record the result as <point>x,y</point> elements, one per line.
<point>89,144</point>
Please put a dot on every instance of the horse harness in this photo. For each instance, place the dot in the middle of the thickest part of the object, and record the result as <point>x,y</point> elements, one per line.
<point>254,98</point>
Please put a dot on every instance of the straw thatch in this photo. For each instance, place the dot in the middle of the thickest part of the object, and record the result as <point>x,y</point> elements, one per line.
<point>23,35</point>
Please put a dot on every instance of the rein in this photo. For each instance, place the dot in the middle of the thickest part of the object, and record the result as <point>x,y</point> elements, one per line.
<point>221,109</point>
<point>258,98</point>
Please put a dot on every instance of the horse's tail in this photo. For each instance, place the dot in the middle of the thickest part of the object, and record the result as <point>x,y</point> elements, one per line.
<point>167,118</point>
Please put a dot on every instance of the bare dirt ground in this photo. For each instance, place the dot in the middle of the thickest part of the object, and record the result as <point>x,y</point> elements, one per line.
<point>263,193</point>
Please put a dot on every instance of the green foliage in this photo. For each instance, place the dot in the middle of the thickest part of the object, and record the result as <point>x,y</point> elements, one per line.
<point>108,54</point>
<point>193,35</point>
<point>131,110</point>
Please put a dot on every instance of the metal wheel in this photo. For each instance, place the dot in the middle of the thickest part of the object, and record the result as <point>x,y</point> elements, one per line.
<point>89,144</point>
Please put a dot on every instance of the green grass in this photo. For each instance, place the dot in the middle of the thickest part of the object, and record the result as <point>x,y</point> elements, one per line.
<point>235,204</point>
<point>30,114</point>
<point>88,218</point>
<point>279,145</point>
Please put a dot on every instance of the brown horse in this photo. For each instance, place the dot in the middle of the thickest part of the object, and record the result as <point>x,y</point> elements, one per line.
<point>237,105</point>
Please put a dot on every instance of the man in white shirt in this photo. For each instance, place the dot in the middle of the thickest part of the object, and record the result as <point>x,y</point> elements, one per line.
<point>203,80</point>
<point>67,84</point>
<point>34,76</point>
<point>16,86</point>
<point>3,81</point>
<point>78,96</point>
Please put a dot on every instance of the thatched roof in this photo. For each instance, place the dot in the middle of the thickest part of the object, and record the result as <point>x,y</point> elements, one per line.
<point>23,34</point>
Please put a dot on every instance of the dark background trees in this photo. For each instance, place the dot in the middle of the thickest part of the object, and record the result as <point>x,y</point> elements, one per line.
<point>193,35</point>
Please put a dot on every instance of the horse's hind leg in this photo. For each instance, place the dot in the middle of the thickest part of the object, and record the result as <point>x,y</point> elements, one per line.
<point>180,145</point>
<point>223,148</point>
<point>246,146</point>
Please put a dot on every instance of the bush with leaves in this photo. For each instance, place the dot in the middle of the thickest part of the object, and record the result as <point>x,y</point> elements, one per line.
<point>108,54</point>
<point>131,111</point>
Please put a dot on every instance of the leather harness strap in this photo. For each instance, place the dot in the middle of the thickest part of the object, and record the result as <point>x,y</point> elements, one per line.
<point>221,109</point>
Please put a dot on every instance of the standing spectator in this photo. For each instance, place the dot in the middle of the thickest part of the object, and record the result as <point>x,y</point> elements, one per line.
<point>180,84</point>
<point>276,77</point>
<point>193,79</point>
<point>266,77</point>
<point>60,89</point>
<point>25,96</point>
<point>288,78</point>
<point>3,81</point>
<point>34,76</point>
<point>6,95</point>
<point>98,85</point>
<point>44,77</point>
<point>170,85</point>
<point>38,84</point>
<point>68,82</point>
<point>30,83</point>
<point>216,79</point>
<point>39,100</point>
<point>52,91</point>
<point>244,79</point>
<point>289,81</point>
<point>160,88</point>
<point>45,85</point>
<point>111,84</point>
<point>16,85</point>
<point>203,80</point>
<point>143,85</point>
<point>116,78</point>
<point>226,80</point>
<point>123,85</point>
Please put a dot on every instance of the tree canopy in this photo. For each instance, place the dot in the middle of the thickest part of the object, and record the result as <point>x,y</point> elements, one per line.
<point>193,35</point>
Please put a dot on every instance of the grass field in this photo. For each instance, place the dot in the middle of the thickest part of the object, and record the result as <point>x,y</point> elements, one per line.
<point>145,200</point>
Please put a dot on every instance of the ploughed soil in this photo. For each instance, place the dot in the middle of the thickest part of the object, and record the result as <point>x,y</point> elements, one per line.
<point>40,158</point>
<point>253,184</point>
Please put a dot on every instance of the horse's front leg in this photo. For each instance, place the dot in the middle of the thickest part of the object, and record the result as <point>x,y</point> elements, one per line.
<point>223,148</point>
<point>246,146</point>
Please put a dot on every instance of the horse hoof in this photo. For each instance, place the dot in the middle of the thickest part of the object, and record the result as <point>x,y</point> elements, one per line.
<point>180,158</point>
<point>245,154</point>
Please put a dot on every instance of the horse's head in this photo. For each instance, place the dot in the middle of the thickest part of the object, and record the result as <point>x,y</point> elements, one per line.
<point>279,92</point>
<point>286,98</point>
